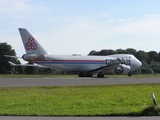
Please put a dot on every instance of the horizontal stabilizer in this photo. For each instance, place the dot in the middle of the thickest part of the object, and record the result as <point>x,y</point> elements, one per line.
<point>12,56</point>
<point>11,63</point>
<point>24,65</point>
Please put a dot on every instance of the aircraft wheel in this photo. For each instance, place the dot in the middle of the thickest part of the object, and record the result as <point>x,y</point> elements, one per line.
<point>49,70</point>
<point>81,75</point>
<point>100,75</point>
<point>129,74</point>
<point>89,75</point>
<point>85,75</point>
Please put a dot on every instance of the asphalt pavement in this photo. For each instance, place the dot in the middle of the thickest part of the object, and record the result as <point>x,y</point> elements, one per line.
<point>15,82</point>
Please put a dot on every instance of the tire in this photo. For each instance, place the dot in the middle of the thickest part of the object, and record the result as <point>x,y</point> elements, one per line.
<point>100,75</point>
<point>129,74</point>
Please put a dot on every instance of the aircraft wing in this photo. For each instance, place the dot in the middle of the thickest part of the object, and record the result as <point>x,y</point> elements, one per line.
<point>45,68</point>
<point>109,67</point>
<point>33,65</point>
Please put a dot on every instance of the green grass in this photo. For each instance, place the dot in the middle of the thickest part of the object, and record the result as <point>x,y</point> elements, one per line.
<point>75,76</point>
<point>99,100</point>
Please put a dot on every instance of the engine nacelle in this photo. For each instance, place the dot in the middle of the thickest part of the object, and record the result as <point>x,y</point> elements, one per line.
<point>123,69</point>
<point>29,56</point>
<point>47,70</point>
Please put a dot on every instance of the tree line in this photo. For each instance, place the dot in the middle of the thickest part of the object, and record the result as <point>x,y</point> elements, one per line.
<point>6,68</point>
<point>150,60</point>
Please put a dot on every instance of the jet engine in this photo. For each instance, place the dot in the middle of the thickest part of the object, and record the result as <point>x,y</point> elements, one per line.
<point>122,69</point>
<point>47,70</point>
<point>29,57</point>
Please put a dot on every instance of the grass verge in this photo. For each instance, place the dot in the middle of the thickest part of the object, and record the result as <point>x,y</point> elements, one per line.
<point>97,100</point>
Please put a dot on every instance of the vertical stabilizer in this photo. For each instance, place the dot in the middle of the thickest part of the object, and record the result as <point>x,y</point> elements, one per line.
<point>31,45</point>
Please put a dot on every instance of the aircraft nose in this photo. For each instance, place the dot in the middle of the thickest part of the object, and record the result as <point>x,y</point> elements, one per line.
<point>139,64</point>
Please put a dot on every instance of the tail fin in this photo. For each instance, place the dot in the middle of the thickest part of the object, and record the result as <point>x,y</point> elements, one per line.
<point>31,45</point>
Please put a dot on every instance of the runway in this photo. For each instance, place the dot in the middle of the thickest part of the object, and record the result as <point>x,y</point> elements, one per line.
<point>17,82</point>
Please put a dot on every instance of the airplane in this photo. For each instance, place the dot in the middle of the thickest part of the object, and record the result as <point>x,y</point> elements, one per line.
<point>84,65</point>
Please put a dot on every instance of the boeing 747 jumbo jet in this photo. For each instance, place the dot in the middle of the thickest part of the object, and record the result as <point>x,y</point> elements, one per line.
<point>85,66</point>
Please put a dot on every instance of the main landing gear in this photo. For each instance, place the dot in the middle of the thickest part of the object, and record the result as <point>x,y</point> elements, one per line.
<point>99,75</point>
<point>47,70</point>
<point>82,74</point>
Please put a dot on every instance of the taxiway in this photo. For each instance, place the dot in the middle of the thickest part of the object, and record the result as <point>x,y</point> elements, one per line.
<point>16,82</point>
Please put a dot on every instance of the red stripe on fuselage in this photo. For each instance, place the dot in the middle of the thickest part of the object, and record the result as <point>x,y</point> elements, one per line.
<point>67,61</point>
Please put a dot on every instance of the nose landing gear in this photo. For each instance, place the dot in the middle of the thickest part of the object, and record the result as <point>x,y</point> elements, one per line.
<point>130,74</point>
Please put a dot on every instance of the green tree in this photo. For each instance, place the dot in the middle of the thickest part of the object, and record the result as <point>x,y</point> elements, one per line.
<point>5,67</point>
<point>111,52</point>
<point>147,70</point>
<point>103,52</point>
<point>141,55</point>
<point>93,52</point>
<point>152,55</point>
<point>157,58</point>
<point>121,51</point>
<point>131,51</point>
<point>155,66</point>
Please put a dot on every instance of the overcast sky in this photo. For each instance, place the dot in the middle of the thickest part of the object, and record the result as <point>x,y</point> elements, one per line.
<point>79,26</point>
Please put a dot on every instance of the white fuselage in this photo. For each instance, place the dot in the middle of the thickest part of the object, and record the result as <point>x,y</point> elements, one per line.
<point>78,63</point>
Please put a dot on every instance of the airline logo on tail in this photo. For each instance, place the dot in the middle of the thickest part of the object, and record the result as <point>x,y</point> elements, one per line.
<point>31,45</point>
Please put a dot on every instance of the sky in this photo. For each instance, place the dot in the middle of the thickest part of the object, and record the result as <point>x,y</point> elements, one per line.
<point>68,27</point>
